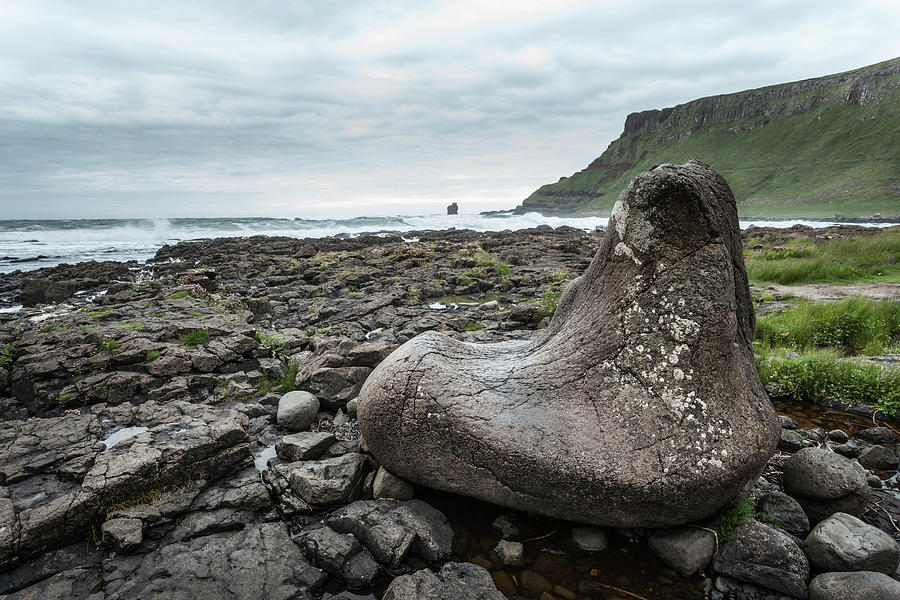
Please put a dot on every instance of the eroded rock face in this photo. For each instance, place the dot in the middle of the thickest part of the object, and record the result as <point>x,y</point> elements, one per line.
<point>640,404</point>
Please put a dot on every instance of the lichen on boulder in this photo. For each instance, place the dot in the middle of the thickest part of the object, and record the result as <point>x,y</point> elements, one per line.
<point>639,405</point>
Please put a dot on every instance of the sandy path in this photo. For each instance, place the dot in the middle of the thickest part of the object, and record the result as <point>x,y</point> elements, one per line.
<point>830,291</point>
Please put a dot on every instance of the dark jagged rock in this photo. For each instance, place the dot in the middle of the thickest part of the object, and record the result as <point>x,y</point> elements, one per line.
<point>256,562</point>
<point>454,581</point>
<point>639,405</point>
<point>453,209</point>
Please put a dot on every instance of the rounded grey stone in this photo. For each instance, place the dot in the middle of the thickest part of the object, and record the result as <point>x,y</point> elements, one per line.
<point>859,585</point>
<point>879,457</point>
<point>844,543</point>
<point>297,410</point>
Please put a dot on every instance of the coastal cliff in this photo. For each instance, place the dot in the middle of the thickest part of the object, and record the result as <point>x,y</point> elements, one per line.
<point>815,148</point>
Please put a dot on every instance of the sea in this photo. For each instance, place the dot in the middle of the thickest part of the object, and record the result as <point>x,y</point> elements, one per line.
<point>32,244</point>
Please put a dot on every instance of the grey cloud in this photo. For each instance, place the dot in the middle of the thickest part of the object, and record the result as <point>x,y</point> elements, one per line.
<point>107,107</point>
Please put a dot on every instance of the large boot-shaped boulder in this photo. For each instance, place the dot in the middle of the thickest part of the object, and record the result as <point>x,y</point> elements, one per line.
<point>639,405</point>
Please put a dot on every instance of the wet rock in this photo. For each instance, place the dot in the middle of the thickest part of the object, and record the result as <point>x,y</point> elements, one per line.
<point>329,481</point>
<point>306,445</point>
<point>534,584</point>
<point>122,535</point>
<point>256,562</point>
<point>763,556</point>
<point>390,530</point>
<point>297,410</point>
<point>877,435</point>
<point>339,555</point>
<point>687,549</point>
<point>787,512</point>
<point>454,581</point>
<point>878,457</point>
<point>589,539</point>
<point>571,423</point>
<point>838,436</point>
<point>824,483</point>
<point>510,553</point>
<point>844,543</point>
<point>388,485</point>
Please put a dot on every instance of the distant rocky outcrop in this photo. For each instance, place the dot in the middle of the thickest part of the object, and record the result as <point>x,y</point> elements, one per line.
<point>798,144</point>
<point>453,209</point>
<point>639,406</point>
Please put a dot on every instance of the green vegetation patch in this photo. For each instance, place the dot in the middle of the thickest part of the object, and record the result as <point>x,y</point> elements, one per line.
<point>733,516</point>
<point>856,325</point>
<point>194,338</point>
<point>272,343</point>
<point>6,357</point>
<point>109,344</point>
<point>152,355</point>
<point>282,385</point>
<point>99,313</point>
<point>819,374</point>
<point>873,258</point>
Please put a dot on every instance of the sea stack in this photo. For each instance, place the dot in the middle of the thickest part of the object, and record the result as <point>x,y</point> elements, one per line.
<point>453,209</point>
<point>639,405</point>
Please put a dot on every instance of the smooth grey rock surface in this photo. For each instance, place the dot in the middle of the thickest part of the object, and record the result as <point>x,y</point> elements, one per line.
<point>879,457</point>
<point>297,410</point>
<point>589,539</point>
<point>453,582</point>
<point>640,403</point>
<point>844,543</point>
<point>763,556</point>
<point>687,549</point>
<point>780,507</point>
<point>824,483</point>
<point>859,585</point>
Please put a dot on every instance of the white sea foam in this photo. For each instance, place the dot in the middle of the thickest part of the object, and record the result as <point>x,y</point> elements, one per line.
<point>29,245</point>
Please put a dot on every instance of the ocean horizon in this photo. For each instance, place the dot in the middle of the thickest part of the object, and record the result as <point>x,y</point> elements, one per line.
<point>27,244</point>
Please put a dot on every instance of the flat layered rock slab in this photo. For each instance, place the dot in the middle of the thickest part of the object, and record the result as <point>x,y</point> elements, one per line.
<point>59,474</point>
<point>259,562</point>
<point>639,405</point>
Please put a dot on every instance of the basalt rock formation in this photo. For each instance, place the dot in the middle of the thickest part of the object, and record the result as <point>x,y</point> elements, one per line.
<point>638,406</point>
<point>790,149</point>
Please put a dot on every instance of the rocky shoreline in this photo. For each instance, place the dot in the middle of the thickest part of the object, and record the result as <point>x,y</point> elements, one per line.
<point>153,442</point>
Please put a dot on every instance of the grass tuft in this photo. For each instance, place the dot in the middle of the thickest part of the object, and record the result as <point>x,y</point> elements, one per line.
<point>194,338</point>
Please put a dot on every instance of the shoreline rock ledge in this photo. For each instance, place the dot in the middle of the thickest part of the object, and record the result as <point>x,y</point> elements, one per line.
<point>639,405</point>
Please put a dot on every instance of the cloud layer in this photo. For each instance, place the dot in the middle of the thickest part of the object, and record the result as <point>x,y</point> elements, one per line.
<point>322,108</point>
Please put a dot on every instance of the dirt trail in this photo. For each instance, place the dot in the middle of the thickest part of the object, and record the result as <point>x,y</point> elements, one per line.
<point>830,291</point>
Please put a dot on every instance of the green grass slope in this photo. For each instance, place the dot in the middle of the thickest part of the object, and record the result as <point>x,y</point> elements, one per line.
<point>818,148</point>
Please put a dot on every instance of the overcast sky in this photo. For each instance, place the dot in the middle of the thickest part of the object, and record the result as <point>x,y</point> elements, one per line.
<point>331,108</point>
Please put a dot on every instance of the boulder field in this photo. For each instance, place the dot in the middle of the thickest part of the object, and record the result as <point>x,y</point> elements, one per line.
<point>188,427</point>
